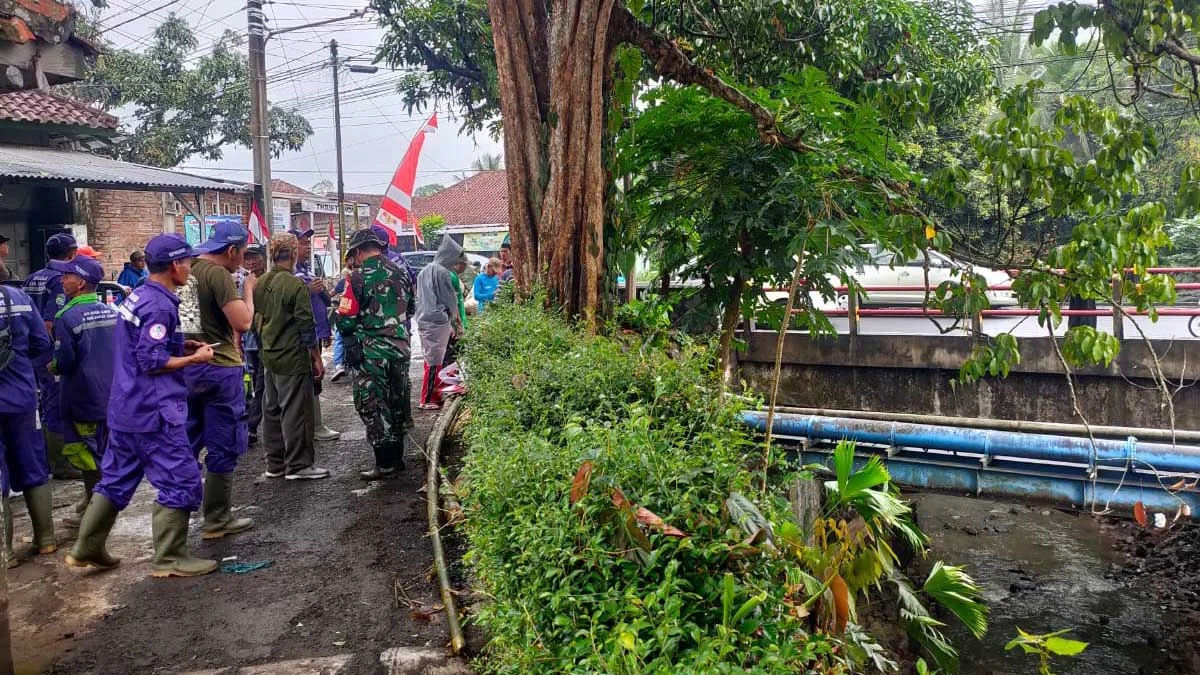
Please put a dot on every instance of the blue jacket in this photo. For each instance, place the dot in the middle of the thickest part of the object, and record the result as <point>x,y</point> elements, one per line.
<point>485,289</point>
<point>31,348</point>
<point>45,289</point>
<point>143,399</point>
<point>84,337</point>
<point>131,277</point>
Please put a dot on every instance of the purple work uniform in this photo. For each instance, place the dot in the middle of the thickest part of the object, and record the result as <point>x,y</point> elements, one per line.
<point>22,447</point>
<point>147,409</point>
<point>45,289</point>
<point>84,344</point>
<point>320,301</point>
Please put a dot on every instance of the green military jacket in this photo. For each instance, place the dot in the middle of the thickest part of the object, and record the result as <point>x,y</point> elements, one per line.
<point>381,299</point>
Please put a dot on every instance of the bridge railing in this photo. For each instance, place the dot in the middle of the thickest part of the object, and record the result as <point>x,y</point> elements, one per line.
<point>855,312</point>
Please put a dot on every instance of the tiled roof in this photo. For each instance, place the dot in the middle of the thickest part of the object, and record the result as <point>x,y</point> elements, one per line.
<point>481,199</point>
<point>39,106</point>
<point>282,187</point>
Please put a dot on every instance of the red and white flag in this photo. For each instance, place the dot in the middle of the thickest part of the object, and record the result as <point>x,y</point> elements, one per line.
<point>394,211</point>
<point>258,228</point>
<point>334,247</point>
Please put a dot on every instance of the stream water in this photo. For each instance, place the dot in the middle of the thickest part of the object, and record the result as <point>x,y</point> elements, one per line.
<point>1044,570</point>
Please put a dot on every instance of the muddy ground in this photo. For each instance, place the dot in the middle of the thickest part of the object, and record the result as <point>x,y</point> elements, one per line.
<point>346,558</point>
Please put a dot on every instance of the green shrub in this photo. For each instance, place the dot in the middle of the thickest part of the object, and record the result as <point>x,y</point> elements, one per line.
<point>603,492</point>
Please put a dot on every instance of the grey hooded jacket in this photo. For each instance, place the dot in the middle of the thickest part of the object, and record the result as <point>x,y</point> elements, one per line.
<point>436,300</point>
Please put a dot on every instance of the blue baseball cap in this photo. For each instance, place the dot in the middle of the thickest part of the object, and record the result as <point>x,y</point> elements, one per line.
<point>60,245</point>
<point>300,234</point>
<point>81,266</point>
<point>225,233</point>
<point>167,248</point>
<point>383,233</point>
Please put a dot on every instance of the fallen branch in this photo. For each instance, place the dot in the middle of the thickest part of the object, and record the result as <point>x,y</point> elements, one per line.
<point>433,447</point>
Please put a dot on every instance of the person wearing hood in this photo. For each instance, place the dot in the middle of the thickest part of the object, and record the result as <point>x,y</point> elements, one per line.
<point>135,272</point>
<point>438,316</point>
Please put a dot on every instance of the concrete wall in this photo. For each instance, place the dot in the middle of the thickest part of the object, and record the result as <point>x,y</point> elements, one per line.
<point>913,374</point>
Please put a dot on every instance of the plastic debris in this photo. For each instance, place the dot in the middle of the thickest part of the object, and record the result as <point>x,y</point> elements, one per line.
<point>244,568</point>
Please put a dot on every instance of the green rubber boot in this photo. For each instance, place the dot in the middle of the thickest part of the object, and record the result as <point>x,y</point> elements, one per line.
<point>9,555</point>
<point>218,514</point>
<point>97,522</point>
<point>171,556</point>
<point>90,480</point>
<point>39,502</point>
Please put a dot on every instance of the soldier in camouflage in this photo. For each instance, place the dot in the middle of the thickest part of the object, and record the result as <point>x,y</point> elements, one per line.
<point>370,318</point>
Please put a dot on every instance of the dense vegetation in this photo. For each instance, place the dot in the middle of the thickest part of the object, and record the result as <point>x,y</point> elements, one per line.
<point>615,525</point>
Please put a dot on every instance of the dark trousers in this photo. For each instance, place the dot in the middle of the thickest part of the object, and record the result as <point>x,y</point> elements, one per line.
<point>255,406</point>
<point>288,424</point>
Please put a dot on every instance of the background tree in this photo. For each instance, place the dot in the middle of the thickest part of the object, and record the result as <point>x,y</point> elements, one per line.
<point>183,107</point>
<point>432,226</point>
<point>323,187</point>
<point>430,189</point>
<point>555,82</point>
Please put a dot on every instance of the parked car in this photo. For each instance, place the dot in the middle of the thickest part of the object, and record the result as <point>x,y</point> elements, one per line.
<point>885,270</point>
<point>419,259</point>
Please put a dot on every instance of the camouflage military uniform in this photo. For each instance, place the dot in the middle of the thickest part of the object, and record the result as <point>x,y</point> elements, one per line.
<point>382,299</point>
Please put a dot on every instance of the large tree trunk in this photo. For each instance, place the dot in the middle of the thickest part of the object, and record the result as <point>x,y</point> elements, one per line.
<point>554,79</point>
<point>729,323</point>
<point>520,32</point>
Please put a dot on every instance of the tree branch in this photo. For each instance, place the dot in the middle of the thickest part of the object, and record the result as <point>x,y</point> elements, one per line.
<point>1174,48</point>
<point>670,62</point>
<point>435,62</point>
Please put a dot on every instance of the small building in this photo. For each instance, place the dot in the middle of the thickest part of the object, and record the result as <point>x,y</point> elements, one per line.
<point>475,209</point>
<point>51,182</point>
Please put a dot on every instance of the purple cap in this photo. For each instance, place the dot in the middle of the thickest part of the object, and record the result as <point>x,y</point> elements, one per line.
<point>167,248</point>
<point>225,233</point>
<point>59,245</point>
<point>81,266</point>
<point>383,233</point>
<point>300,234</point>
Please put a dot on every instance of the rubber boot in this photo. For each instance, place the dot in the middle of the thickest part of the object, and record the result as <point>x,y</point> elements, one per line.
<point>323,433</point>
<point>171,555</point>
<point>60,466</point>
<point>97,522</point>
<point>218,514</point>
<point>9,554</point>
<point>90,480</point>
<point>39,502</point>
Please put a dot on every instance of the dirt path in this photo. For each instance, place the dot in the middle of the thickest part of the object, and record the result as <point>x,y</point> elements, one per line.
<point>343,553</point>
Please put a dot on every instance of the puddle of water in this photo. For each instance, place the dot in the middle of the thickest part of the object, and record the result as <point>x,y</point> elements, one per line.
<point>1043,570</point>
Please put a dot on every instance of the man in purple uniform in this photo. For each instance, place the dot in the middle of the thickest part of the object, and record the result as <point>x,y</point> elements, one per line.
<point>320,306</point>
<point>84,331</point>
<point>24,347</point>
<point>217,390</point>
<point>45,289</point>
<point>147,421</point>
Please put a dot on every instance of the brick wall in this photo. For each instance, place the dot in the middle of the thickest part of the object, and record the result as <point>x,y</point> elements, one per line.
<point>120,221</point>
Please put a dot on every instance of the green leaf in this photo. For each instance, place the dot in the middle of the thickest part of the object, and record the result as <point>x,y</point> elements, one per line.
<point>957,592</point>
<point>1064,646</point>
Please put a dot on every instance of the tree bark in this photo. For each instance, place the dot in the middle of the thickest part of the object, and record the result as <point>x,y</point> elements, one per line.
<point>553,70</point>
<point>729,322</point>
<point>520,32</point>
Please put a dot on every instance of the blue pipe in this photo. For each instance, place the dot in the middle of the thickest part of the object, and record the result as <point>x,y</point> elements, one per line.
<point>1108,453</point>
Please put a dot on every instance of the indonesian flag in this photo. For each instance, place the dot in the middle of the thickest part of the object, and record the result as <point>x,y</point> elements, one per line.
<point>258,228</point>
<point>394,211</point>
<point>334,244</point>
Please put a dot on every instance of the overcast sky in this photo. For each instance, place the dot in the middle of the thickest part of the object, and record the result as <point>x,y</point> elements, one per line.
<point>375,127</point>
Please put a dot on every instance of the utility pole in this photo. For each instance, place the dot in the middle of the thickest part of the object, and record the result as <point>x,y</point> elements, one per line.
<point>337,133</point>
<point>260,125</point>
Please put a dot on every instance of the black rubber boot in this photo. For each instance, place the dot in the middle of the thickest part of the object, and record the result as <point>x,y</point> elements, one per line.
<point>218,511</point>
<point>9,554</point>
<point>171,555</point>
<point>97,522</point>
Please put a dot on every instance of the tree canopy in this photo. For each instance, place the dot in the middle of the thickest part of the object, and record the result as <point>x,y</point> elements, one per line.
<point>181,105</point>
